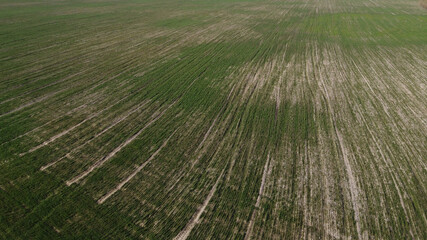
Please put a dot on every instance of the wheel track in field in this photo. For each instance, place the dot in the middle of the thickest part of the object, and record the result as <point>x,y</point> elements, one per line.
<point>62,133</point>
<point>38,100</point>
<point>55,137</point>
<point>201,149</point>
<point>44,86</point>
<point>354,191</point>
<point>114,123</point>
<point>246,95</point>
<point>101,162</point>
<point>183,235</point>
<point>387,164</point>
<point>59,135</point>
<point>133,174</point>
<point>164,52</point>
<point>249,230</point>
<point>45,124</point>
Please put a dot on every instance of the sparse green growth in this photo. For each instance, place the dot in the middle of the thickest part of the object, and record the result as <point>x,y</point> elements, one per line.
<point>213,119</point>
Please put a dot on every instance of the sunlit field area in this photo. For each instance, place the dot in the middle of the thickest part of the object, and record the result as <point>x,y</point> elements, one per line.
<point>213,119</point>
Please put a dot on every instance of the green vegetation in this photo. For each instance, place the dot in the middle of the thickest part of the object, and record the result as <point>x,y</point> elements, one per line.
<point>228,119</point>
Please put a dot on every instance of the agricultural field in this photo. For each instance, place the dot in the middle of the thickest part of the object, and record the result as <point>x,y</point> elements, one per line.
<point>213,119</point>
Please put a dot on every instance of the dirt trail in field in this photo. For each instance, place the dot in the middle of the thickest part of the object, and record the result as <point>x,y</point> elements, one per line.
<point>121,184</point>
<point>258,200</point>
<point>116,150</point>
<point>196,217</point>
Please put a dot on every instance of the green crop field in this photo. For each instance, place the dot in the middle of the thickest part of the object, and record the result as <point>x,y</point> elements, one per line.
<point>213,119</point>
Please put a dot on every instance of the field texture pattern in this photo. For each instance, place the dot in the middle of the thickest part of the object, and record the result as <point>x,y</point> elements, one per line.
<point>213,119</point>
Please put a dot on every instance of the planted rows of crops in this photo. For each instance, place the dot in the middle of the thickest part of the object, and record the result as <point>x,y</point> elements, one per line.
<point>213,119</point>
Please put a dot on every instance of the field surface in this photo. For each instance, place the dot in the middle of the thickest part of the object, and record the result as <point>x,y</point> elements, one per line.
<point>213,119</point>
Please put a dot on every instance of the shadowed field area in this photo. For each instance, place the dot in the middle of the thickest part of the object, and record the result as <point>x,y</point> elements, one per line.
<point>203,119</point>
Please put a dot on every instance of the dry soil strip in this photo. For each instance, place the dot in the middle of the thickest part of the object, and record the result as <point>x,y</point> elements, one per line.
<point>258,201</point>
<point>45,143</point>
<point>196,217</point>
<point>101,162</point>
<point>45,86</point>
<point>386,162</point>
<point>45,124</point>
<point>354,193</point>
<point>94,137</point>
<point>32,103</point>
<point>108,195</point>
